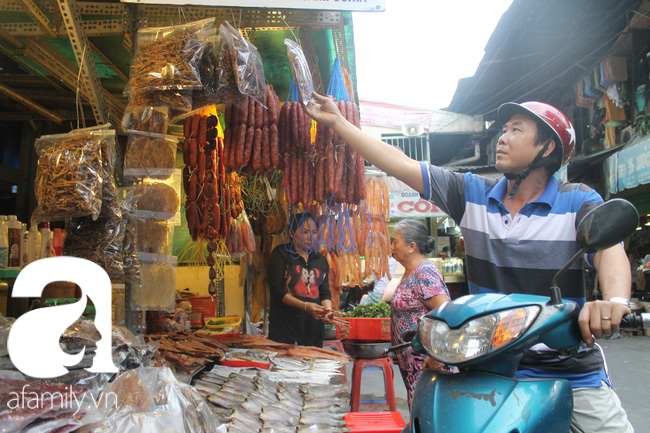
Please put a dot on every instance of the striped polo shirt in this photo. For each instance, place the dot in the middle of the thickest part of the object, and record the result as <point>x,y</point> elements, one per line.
<point>520,254</point>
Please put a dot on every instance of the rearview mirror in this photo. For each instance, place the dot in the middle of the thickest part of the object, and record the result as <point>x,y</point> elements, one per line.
<point>607,224</point>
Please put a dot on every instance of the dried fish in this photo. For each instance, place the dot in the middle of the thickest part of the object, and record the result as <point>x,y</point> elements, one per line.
<point>246,418</point>
<point>321,419</point>
<point>270,413</point>
<point>322,429</point>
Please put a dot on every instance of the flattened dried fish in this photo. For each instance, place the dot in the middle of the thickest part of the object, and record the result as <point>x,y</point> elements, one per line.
<point>322,429</point>
<point>252,406</point>
<point>270,413</point>
<point>225,400</point>
<point>321,419</point>
<point>246,418</point>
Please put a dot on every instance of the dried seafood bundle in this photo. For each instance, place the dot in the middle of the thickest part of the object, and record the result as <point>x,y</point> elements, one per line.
<point>169,57</point>
<point>70,174</point>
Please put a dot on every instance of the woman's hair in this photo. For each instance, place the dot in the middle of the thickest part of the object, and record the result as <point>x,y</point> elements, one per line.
<point>296,220</point>
<point>415,231</point>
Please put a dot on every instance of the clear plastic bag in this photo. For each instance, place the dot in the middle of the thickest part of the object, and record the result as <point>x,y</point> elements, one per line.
<point>69,175</point>
<point>5,327</point>
<point>130,351</point>
<point>158,289</point>
<point>154,237</point>
<point>159,200</point>
<point>129,255</point>
<point>100,239</point>
<point>150,155</point>
<point>177,101</point>
<point>44,407</point>
<point>300,70</point>
<point>246,63</point>
<point>151,119</point>
<point>153,400</point>
<point>168,57</point>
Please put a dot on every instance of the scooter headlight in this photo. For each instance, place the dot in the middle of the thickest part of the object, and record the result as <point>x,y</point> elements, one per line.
<point>477,337</point>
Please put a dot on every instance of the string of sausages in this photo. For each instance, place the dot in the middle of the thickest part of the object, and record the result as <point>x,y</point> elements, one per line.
<point>321,169</point>
<point>213,205</point>
<point>251,136</point>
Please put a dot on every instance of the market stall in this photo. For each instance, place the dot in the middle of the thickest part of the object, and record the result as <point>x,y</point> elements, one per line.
<point>202,168</point>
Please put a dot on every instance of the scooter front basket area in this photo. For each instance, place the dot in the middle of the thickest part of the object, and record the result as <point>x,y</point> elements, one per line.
<point>484,402</point>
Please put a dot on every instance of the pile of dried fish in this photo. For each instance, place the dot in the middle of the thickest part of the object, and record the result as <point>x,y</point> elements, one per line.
<point>250,402</point>
<point>186,352</point>
<point>252,341</point>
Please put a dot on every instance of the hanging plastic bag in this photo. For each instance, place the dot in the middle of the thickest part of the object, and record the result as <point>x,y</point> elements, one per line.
<point>151,119</point>
<point>158,289</point>
<point>150,155</point>
<point>168,58</point>
<point>246,63</point>
<point>159,200</point>
<point>300,71</point>
<point>70,174</point>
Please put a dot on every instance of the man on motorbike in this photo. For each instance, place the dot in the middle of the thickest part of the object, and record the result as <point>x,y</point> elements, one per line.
<point>518,232</point>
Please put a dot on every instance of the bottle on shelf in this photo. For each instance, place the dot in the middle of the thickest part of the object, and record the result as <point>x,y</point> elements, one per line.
<point>24,245</point>
<point>47,249</point>
<point>57,241</point>
<point>33,244</point>
<point>14,242</point>
<point>4,242</point>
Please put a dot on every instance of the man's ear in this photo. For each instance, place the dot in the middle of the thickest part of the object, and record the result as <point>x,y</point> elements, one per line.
<point>550,149</point>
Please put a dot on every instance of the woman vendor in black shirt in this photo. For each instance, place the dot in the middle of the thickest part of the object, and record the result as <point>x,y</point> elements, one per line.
<point>299,281</point>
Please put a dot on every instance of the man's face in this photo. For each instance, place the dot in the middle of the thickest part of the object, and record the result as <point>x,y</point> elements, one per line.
<point>516,148</point>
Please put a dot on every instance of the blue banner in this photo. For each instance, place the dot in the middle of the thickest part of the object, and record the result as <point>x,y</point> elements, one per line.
<point>630,167</point>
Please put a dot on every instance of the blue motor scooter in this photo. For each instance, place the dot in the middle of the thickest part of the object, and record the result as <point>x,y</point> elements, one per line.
<point>486,335</point>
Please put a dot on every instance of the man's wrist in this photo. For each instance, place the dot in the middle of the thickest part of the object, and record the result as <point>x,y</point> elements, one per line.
<point>620,300</point>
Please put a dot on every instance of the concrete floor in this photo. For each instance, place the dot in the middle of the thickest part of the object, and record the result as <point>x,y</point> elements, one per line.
<point>628,359</point>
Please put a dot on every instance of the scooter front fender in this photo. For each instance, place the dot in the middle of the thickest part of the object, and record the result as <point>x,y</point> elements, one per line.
<point>471,402</point>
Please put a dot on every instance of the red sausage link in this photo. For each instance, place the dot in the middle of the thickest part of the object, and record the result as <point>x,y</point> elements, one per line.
<point>248,147</point>
<point>266,148</point>
<point>274,143</point>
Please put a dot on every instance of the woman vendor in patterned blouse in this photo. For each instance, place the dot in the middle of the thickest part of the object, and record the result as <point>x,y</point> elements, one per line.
<point>421,289</point>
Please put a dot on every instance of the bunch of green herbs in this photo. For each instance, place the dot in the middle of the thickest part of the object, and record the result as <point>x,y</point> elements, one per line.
<point>379,310</point>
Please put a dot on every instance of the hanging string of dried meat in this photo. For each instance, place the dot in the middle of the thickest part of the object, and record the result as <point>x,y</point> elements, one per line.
<point>213,204</point>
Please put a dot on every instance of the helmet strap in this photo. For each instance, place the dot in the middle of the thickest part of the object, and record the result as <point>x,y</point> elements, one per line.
<point>519,177</point>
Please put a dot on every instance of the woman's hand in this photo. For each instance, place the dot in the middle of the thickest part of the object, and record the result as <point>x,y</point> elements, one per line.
<point>432,364</point>
<point>333,318</point>
<point>317,311</point>
<point>324,110</point>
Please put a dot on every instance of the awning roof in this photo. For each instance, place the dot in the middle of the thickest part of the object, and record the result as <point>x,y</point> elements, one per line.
<point>539,50</point>
<point>38,67</point>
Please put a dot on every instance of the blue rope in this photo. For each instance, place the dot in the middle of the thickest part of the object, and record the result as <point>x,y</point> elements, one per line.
<point>336,86</point>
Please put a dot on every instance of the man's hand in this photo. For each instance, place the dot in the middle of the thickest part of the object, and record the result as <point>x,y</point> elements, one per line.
<point>324,110</point>
<point>600,319</point>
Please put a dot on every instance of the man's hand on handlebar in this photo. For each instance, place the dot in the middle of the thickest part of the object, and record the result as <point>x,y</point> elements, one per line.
<point>600,319</point>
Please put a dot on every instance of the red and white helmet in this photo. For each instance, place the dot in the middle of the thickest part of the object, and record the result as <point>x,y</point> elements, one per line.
<point>554,118</point>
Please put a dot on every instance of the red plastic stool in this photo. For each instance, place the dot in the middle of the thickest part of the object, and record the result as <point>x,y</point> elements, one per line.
<point>338,346</point>
<point>385,364</point>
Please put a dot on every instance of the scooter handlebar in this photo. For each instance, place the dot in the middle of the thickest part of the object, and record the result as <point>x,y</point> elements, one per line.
<point>396,347</point>
<point>636,321</point>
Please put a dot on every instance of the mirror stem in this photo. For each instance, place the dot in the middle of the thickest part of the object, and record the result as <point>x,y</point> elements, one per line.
<point>556,294</point>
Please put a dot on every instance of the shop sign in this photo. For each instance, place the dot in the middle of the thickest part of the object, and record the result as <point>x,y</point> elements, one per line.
<point>374,113</point>
<point>408,204</point>
<point>335,5</point>
<point>630,167</point>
